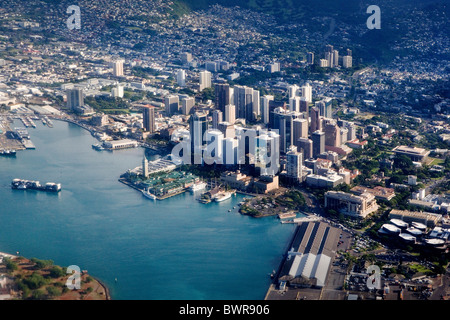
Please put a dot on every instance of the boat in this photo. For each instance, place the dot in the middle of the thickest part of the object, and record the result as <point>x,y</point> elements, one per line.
<point>7,153</point>
<point>222,196</point>
<point>20,184</point>
<point>198,186</point>
<point>98,147</point>
<point>148,194</point>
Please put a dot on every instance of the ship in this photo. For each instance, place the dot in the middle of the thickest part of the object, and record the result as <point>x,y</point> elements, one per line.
<point>7,153</point>
<point>98,147</point>
<point>148,194</point>
<point>20,184</point>
<point>222,196</point>
<point>198,186</point>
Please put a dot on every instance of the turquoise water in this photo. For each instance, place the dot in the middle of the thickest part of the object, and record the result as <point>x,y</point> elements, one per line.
<point>174,249</point>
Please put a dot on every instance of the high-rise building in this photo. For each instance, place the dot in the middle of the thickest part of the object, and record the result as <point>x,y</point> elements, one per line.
<point>293,91</point>
<point>335,58</point>
<point>283,122</point>
<point>294,164</point>
<point>222,96</point>
<point>316,123</point>
<point>323,63</point>
<point>227,129</point>
<point>118,68</point>
<point>181,78</point>
<point>294,104</point>
<point>332,134</point>
<point>307,92</point>
<point>230,113</point>
<point>217,117</point>
<point>349,52</point>
<point>300,129</point>
<point>198,125</point>
<point>148,116</point>
<point>75,98</point>
<point>265,102</point>
<point>305,145</point>
<point>347,61</point>
<point>205,80</point>
<point>172,104</point>
<point>304,105</point>
<point>214,149</point>
<point>187,104</point>
<point>325,107</point>
<point>246,101</point>
<point>318,139</point>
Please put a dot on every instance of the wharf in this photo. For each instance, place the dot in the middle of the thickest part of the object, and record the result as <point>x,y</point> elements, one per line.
<point>166,196</point>
<point>28,144</point>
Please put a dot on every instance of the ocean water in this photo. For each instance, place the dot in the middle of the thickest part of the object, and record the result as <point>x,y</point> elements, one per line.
<point>174,249</point>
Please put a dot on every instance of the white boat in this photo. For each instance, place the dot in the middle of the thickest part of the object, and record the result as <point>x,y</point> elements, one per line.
<point>149,195</point>
<point>198,186</point>
<point>222,196</point>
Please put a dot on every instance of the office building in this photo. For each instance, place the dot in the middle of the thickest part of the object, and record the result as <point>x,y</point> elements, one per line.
<point>300,129</point>
<point>230,113</point>
<point>414,153</point>
<point>316,122</point>
<point>356,206</point>
<point>265,102</point>
<point>318,139</point>
<point>198,125</point>
<point>75,98</point>
<point>222,96</point>
<point>247,103</point>
<point>205,80</point>
<point>217,117</point>
<point>283,122</point>
<point>148,116</point>
<point>305,146</point>
<point>187,104</point>
<point>332,134</point>
<point>172,104</point>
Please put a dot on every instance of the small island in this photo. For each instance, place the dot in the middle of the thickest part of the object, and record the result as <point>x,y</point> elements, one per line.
<point>35,279</point>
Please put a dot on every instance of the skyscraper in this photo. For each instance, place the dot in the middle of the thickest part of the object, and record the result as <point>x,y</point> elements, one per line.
<point>307,92</point>
<point>217,116</point>
<point>332,134</point>
<point>148,114</point>
<point>318,139</point>
<point>75,98</point>
<point>293,91</point>
<point>222,96</point>
<point>335,58</point>
<point>186,105</point>
<point>305,145</point>
<point>198,125</point>
<point>172,104</point>
<point>347,61</point>
<point>230,113</point>
<point>118,68</point>
<point>246,101</point>
<point>316,123</point>
<point>294,104</point>
<point>300,129</point>
<point>181,78</point>
<point>205,80</point>
<point>265,102</point>
<point>283,122</point>
<point>294,165</point>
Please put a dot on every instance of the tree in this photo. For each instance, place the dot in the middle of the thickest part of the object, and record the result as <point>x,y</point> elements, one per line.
<point>53,292</point>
